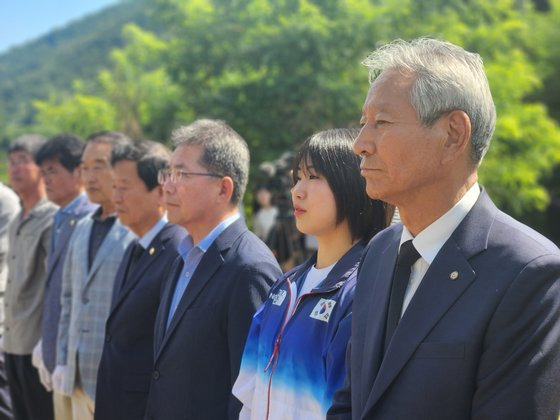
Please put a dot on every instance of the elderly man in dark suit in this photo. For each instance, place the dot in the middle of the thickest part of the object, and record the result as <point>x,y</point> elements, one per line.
<point>59,159</point>
<point>126,364</point>
<point>456,309</point>
<point>222,276</point>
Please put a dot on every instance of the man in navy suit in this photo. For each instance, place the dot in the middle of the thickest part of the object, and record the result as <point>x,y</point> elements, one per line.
<point>126,364</point>
<point>59,159</point>
<point>222,276</point>
<point>456,309</point>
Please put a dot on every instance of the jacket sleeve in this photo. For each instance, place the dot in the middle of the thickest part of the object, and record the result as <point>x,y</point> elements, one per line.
<point>341,407</point>
<point>520,361</point>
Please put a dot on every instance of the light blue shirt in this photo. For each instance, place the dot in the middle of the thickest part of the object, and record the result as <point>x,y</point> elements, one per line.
<point>192,254</point>
<point>149,236</point>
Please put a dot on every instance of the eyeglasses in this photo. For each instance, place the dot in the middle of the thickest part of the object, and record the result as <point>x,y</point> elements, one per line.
<point>176,175</point>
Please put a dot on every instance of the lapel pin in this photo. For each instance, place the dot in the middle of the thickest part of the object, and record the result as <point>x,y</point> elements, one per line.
<point>454,275</point>
<point>72,222</point>
<point>152,250</point>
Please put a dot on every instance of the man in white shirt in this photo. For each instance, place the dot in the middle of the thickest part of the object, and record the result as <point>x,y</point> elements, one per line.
<point>456,309</point>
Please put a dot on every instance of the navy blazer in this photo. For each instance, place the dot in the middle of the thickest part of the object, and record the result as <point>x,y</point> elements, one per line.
<point>53,285</point>
<point>480,338</point>
<point>197,359</point>
<point>126,364</point>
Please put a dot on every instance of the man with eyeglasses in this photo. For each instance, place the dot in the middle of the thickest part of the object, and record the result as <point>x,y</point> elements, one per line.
<point>223,274</point>
<point>29,242</point>
<point>122,380</point>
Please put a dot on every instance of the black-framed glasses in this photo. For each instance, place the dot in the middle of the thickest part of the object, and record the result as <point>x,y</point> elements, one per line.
<point>176,175</point>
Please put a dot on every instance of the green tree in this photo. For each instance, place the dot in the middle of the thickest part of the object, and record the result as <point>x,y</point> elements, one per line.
<point>135,95</point>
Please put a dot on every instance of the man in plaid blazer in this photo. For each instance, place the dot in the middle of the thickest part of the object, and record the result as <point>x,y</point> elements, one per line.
<point>94,255</point>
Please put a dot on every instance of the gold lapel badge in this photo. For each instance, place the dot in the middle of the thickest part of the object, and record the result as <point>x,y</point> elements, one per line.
<point>72,222</point>
<point>152,250</point>
<point>454,275</point>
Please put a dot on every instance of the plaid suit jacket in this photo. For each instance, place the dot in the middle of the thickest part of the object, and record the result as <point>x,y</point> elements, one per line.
<point>86,301</point>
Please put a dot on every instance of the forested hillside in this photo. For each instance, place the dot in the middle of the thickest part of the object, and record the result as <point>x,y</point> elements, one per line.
<point>49,65</point>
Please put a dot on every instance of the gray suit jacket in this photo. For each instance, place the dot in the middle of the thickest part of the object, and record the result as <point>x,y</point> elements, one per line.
<point>86,301</point>
<point>53,286</point>
<point>29,241</point>
<point>483,343</point>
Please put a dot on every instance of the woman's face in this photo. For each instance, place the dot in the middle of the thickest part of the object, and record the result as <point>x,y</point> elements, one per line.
<point>263,197</point>
<point>314,203</point>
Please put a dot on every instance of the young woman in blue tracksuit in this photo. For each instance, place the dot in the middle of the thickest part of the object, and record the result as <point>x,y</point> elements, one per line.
<point>294,355</point>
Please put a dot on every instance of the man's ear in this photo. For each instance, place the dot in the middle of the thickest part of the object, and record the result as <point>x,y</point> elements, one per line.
<point>226,189</point>
<point>458,136</point>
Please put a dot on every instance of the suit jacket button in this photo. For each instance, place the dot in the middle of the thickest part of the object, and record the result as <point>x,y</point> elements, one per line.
<point>156,375</point>
<point>108,338</point>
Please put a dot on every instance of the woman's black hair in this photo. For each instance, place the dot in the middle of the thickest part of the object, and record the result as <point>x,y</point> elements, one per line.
<point>330,154</point>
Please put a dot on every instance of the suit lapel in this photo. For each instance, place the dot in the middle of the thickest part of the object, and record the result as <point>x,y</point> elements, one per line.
<point>121,274</point>
<point>209,264</point>
<point>377,312</point>
<point>437,292</point>
<point>147,258</point>
<point>167,296</point>
<point>115,234</point>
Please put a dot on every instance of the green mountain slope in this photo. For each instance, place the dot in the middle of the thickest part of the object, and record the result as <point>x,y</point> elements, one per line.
<point>49,64</point>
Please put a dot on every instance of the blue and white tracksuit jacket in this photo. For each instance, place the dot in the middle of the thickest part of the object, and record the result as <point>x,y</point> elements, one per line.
<point>294,356</point>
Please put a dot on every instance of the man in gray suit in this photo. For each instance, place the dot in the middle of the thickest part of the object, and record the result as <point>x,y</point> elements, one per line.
<point>94,254</point>
<point>456,309</point>
<point>29,242</point>
<point>9,208</point>
<point>59,159</point>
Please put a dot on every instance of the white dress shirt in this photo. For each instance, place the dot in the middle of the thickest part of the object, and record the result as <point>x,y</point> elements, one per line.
<point>429,242</point>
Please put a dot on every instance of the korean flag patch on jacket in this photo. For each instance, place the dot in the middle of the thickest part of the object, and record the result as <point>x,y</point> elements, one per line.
<point>322,311</point>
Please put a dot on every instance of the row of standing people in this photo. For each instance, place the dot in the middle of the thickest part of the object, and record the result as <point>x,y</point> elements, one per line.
<point>111,265</point>
<point>451,314</point>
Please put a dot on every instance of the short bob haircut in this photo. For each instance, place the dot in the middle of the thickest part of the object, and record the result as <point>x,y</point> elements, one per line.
<point>66,148</point>
<point>149,156</point>
<point>330,154</point>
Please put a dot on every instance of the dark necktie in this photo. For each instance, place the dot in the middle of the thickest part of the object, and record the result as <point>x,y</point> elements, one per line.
<point>407,256</point>
<point>137,252</point>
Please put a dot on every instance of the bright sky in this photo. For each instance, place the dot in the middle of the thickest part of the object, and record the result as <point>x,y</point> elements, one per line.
<point>25,20</point>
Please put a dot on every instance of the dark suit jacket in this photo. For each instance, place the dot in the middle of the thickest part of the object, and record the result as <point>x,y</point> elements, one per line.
<point>126,364</point>
<point>197,359</point>
<point>53,285</point>
<point>482,344</point>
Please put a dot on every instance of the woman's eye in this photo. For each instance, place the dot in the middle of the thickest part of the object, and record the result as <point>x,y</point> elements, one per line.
<point>311,176</point>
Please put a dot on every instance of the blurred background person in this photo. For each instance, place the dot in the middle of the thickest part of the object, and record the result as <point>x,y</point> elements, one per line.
<point>126,364</point>
<point>294,355</point>
<point>9,208</point>
<point>29,242</point>
<point>94,255</point>
<point>265,213</point>
<point>59,160</point>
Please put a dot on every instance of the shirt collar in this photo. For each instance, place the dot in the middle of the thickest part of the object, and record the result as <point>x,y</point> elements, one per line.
<point>187,243</point>
<point>96,215</point>
<point>431,239</point>
<point>71,206</point>
<point>149,236</point>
